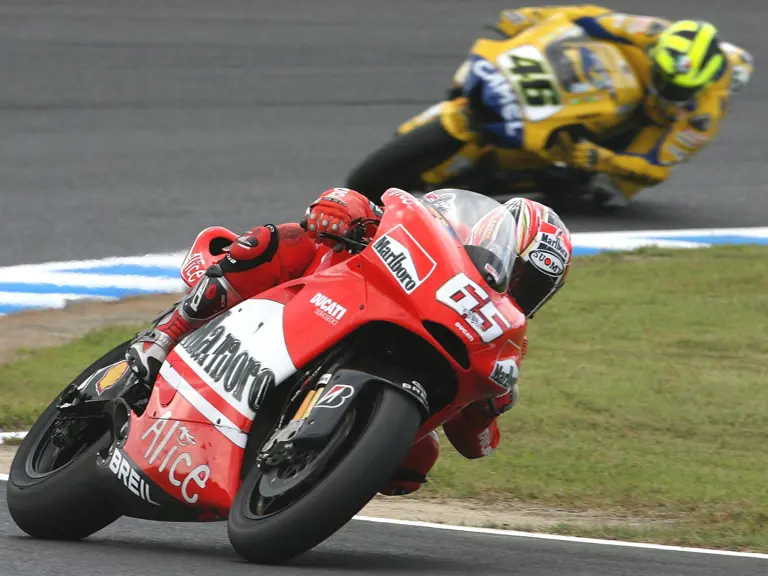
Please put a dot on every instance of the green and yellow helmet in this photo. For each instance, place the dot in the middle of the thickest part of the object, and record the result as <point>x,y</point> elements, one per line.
<point>685,58</point>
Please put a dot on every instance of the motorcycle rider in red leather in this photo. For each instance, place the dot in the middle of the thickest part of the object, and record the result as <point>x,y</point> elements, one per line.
<point>266,256</point>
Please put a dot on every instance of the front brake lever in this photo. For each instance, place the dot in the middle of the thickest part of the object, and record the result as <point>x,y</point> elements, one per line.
<point>344,240</point>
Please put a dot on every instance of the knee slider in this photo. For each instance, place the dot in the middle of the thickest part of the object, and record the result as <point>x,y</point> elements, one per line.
<point>208,299</point>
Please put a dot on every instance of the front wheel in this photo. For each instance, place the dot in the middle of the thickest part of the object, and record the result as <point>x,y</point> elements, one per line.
<point>401,162</point>
<point>279,513</point>
<point>53,490</point>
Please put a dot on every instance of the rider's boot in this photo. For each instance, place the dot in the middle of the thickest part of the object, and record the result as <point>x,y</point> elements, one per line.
<point>211,296</point>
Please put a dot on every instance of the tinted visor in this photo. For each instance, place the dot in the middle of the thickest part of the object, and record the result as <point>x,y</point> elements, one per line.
<point>530,288</point>
<point>661,85</point>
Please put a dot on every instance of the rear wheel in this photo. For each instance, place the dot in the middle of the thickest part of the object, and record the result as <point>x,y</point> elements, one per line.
<point>401,162</point>
<point>284,510</point>
<point>53,491</point>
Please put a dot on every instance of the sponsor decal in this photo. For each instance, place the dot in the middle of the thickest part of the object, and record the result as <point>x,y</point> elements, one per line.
<point>418,390</point>
<point>444,201</point>
<point>509,105</point>
<point>327,309</point>
<point>549,256</point>
<point>468,299</point>
<point>493,273</point>
<point>111,377</point>
<point>121,467</point>
<point>335,396</point>
<point>403,196</point>
<point>222,357</point>
<point>552,242</point>
<point>167,448</point>
<point>692,139</point>
<point>485,442</point>
<point>464,331</point>
<point>404,257</point>
<point>506,370</point>
<point>193,268</point>
<point>336,195</point>
<point>546,262</point>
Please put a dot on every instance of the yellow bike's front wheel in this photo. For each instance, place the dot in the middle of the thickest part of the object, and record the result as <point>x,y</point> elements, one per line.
<point>401,162</point>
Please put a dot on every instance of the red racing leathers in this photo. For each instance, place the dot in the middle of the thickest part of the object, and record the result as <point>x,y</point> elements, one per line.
<point>266,256</point>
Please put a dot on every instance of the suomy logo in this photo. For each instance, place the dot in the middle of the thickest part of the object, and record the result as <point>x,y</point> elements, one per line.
<point>404,258</point>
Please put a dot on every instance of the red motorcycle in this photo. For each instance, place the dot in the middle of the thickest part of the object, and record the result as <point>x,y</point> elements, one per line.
<point>286,414</point>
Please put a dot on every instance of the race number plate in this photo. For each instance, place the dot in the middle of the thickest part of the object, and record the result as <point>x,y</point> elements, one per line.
<point>528,70</point>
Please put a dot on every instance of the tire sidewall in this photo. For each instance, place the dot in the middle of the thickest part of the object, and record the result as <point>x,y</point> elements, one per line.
<point>341,494</point>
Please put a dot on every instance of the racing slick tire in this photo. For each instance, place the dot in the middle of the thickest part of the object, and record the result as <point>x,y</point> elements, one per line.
<point>55,493</point>
<point>385,422</point>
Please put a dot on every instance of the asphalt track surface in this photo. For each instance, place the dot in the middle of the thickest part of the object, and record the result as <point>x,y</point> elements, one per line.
<point>131,547</point>
<point>128,126</point>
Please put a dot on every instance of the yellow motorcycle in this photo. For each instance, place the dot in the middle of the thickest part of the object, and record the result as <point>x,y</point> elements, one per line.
<point>500,131</point>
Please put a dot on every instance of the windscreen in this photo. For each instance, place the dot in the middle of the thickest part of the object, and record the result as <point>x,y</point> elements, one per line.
<point>485,228</point>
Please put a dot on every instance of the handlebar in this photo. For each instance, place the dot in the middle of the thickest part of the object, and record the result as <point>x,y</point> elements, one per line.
<point>352,245</point>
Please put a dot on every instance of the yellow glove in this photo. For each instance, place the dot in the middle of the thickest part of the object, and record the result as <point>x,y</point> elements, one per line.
<point>588,156</point>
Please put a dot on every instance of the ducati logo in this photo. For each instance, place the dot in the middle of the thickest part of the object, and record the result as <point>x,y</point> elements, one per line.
<point>335,396</point>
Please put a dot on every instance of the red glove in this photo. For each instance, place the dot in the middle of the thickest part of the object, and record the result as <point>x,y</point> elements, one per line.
<point>337,211</point>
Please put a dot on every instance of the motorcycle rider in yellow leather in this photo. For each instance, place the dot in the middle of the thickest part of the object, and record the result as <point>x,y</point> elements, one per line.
<point>689,77</point>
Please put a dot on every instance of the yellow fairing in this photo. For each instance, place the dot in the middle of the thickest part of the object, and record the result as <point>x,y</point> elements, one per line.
<point>452,114</point>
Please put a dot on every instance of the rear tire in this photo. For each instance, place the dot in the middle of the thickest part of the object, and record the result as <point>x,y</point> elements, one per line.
<point>362,465</point>
<point>401,162</point>
<point>67,502</point>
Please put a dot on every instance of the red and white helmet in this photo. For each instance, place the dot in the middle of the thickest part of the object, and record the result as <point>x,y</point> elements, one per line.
<point>544,253</point>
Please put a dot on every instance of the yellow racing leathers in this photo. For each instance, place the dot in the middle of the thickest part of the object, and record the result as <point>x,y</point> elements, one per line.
<point>669,135</point>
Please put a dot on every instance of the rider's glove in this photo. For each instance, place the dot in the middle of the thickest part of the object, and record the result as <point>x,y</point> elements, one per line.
<point>337,211</point>
<point>588,156</point>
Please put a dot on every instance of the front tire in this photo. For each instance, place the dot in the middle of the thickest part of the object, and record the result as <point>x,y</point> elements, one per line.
<point>401,162</point>
<point>386,421</point>
<point>54,493</point>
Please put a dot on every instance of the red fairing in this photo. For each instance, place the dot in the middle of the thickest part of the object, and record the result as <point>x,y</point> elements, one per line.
<point>206,250</point>
<point>185,454</point>
<point>472,433</point>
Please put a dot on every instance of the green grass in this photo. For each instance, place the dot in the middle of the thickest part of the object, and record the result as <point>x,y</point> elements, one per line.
<point>29,384</point>
<point>644,393</point>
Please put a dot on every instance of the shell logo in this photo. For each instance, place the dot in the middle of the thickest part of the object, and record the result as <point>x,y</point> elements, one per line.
<point>111,377</point>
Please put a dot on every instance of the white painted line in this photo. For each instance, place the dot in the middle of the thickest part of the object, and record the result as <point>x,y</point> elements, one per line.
<point>148,283</point>
<point>56,300</point>
<point>554,537</point>
<point>11,436</point>
<point>560,538</point>
<point>621,243</point>
<point>162,260</point>
<point>757,232</point>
